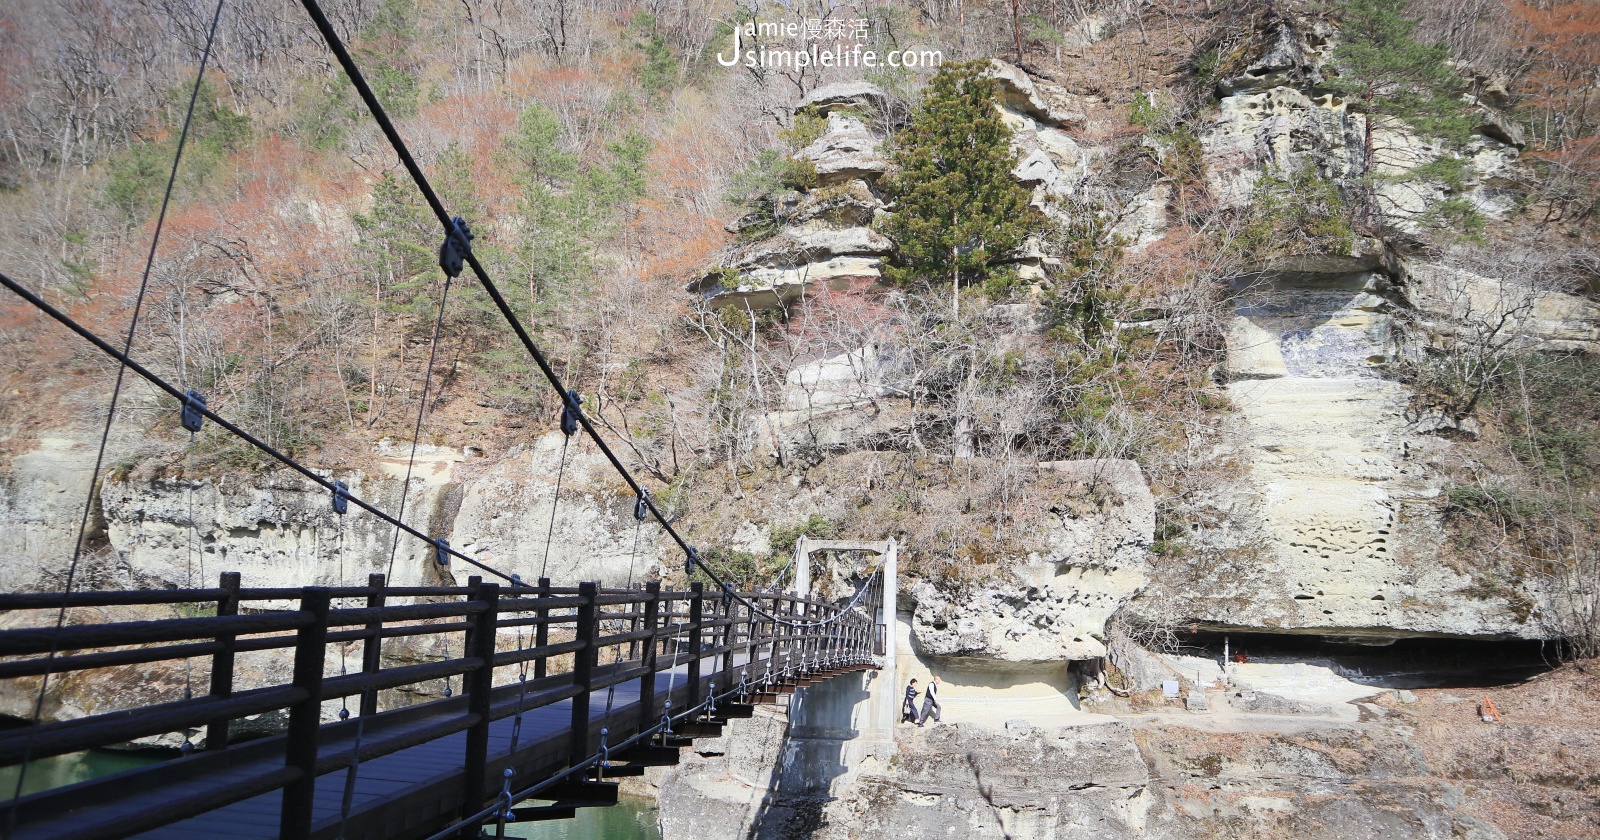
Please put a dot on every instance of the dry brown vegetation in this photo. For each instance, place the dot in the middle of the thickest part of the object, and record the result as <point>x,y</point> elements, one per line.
<point>593,145</point>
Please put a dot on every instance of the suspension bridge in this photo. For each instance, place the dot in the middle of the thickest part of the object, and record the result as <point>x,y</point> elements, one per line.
<point>533,699</point>
<point>556,693</point>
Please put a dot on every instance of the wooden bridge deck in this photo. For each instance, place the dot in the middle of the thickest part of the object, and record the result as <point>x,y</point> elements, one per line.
<point>396,794</point>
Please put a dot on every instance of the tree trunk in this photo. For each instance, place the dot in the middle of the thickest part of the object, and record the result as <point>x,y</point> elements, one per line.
<point>1016,27</point>
<point>955,285</point>
<point>965,431</point>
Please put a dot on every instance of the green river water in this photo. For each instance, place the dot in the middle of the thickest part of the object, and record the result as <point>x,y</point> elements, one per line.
<point>58,770</point>
<point>632,818</point>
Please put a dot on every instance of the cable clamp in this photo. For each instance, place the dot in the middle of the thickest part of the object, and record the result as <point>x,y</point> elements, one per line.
<point>441,551</point>
<point>457,244</point>
<point>505,796</point>
<point>569,412</point>
<point>641,505</point>
<point>194,404</point>
<point>341,498</point>
<point>691,559</point>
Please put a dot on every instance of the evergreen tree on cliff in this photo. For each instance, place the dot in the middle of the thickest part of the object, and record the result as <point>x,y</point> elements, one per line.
<point>958,206</point>
<point>1389,75</point>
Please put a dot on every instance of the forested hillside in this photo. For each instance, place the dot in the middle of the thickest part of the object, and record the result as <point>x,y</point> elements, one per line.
<point>598,150</point>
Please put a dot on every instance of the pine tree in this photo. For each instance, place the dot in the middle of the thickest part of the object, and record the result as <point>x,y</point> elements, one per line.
<point>1390,75</point>
<point>959,207</point>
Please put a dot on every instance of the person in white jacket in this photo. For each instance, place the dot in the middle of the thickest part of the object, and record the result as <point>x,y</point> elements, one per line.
<point>930,703</point>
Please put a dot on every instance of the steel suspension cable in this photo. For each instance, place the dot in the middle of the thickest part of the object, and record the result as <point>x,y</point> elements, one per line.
<point>111,412</point>
<point>416,433</point>
<point>380,115</point>
<point>201,410</point>
<point>638,525</point>
<point>555,503</point>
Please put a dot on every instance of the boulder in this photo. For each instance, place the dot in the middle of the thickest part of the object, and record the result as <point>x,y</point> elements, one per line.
<point>881,424</point>
<point>1262,703</point>
<point>1038,170</point>
<point>972,781</point>
<point>841,379</point>
<point>1069,157</point>
<point>1498,126</point>
<point>1287,60</point>
<point>1283,128</point>
<point>846,151</point>
<point>1046,103</point>
<point>1144,220</point>
<point>1458,300</point>
<point>849,204</point>
<point>770,287</point>
<point>857,93</point>
<point>798,246</point>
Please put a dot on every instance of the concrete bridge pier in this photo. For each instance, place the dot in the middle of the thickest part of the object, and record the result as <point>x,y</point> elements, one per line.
<point>873,696</point>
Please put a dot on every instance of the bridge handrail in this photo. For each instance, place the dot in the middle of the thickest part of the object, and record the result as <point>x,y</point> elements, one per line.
<point>651,630</point>
<point>34,640</point>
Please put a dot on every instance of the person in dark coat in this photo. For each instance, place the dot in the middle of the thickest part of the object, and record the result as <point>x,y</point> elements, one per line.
<point>930,703</point>
<point>908,709</point>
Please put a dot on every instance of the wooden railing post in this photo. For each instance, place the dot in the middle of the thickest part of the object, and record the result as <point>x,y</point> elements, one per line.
<point>635,611</point>
<point>222,662</point>
<point>786,610</point>
<point>697,598</point>
<point>310,653</point>
<point>583,672</point>
<point>808,633</point>
<point>478,685</point>
<point>753,626</point>
<point>372,648</point>
<point>727,609</point>
<point>647,683</point>
<point>814,637</point>
<point>541,633</point>
<point>473,582</point>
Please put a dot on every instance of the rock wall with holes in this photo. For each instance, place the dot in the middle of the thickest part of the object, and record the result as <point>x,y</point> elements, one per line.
<point>1333,525</point>
<point>1337,476</point>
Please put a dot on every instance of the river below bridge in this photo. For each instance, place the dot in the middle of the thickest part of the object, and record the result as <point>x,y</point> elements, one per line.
<point>632,818</point>
<point>58,770</point>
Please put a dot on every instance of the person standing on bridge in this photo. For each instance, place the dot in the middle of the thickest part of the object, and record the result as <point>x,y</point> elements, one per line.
<point>908,709</point>
<point>930,703</point>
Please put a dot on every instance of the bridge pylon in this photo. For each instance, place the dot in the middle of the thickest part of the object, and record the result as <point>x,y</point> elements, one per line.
<point>875,717</point>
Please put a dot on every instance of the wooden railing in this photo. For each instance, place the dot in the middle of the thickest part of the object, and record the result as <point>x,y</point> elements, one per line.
<point>579,641</point>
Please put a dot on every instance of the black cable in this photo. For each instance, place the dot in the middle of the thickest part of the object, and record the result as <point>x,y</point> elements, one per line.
<point>416,433</point>
<point>555,503</point>
<point>342,54</point>
<point>105,347</point>
<point>111,412</point>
